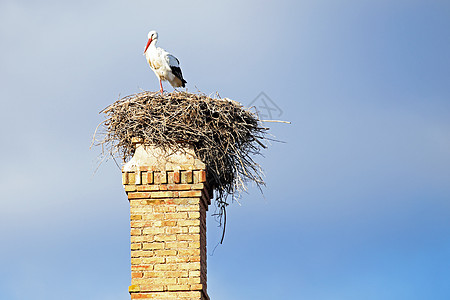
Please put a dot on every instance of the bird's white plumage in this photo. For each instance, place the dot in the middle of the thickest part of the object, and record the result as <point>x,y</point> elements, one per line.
<point>165,65</point>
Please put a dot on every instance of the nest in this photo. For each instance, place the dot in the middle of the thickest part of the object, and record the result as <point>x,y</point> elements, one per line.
<point>224,135</point>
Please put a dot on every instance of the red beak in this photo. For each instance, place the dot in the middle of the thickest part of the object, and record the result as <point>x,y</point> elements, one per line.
<point>148,44</point>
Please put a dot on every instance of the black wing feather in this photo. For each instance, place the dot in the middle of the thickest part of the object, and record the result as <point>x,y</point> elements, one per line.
<point>177,72</point>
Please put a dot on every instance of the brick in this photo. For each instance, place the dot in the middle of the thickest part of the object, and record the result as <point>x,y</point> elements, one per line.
<point>165,237</point>
<point>177,201</point>
<point>138,267</point>
<point>188,237</point>
<point>141,223</point>
<point>195,258</point>
<point>157,216</point>
<point>165,208</point>
<point>170,177</point>
<point>165,252</point>
<point>196,287</point>
<point>144,178</point>
<point>136,253</point>
<point>179,187</point>
<point>194,222</point>
<point>137,238</point>
<point>178,287</point>
<point>157,223</point>
<point>166,267</point>
<point>131,178</point>
<point>139,195</point>
<point>189,280</point>
<point>153,260</point>
<point>135,231</point>
<point>146,253</point>
<point>152,295</point>
<point>124,178</point>
<point>177,229</point>
<point>137,274</point>
<point>135,203</point>
<point>136,224</point>
<point>159,177</point>
<point>194,229</point>
<point>135,246</point>
<point>192,207</point>
<point>172,295</point>
<point>135,261</point>
<point>135,217</point>
<point>186,177</point>
<point>153,202</point>
<point>193,266</point>
<point>153,246</point>
<point>166,274</point>
<point>177,274</point>
<point>197,186</point>
<point>168,223</point>
<point>188,194</point>
<point>177,215</point>
<point>188,252</point>
<point>177,245</point>
<point>194,215</point>
<point>148,188</point>
<point>192,201</point>
<point>160,280</point>
<point>152,230</point>
<point>177,259</point>
<point>176,177</point>
<point>199,176</point>
<point>193,273</point>
<point>133,288</point>
<point>130,188</point>
<point>187,208</point>
<point>152,288</point>
<point>163,177</point>
<point>202,176</point>
<point>162,194</point>
<point>194,245</point>
<point>152,273</point>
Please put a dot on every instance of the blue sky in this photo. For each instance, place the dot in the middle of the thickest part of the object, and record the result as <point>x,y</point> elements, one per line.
<point>357,199</point>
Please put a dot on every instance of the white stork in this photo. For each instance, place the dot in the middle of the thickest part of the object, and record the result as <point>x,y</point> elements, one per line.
<point>165,65</point>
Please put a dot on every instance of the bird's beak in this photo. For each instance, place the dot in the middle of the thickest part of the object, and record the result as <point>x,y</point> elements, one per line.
<point>148,44</point>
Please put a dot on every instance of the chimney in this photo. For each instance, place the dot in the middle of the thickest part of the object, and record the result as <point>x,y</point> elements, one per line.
<point>168,197</point>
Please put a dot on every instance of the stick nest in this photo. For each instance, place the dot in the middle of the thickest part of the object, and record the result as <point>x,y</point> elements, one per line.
<point>224,135</point>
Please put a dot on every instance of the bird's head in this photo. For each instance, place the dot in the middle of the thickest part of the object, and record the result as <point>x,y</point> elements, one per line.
<point>152,36</point>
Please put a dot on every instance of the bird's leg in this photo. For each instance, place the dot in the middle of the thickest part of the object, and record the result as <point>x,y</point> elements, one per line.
<point>160,84</point>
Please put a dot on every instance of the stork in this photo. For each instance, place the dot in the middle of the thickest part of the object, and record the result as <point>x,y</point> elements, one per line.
<point>165,65</point>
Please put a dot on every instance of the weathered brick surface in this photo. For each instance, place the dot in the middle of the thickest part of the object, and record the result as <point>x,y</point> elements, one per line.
<point>168,232</point>
<point>186,295</point>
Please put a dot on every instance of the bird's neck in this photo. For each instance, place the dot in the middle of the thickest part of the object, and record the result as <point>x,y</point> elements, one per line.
<point>151,49</point>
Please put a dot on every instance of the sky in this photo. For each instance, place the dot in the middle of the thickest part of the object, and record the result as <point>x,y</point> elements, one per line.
<point>357,198</point>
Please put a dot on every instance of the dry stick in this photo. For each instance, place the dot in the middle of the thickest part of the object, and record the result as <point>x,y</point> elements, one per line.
<point>95,132</point>
<point>275,121</point>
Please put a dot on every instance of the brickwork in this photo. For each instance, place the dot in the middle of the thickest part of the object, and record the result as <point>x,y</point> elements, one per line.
<point>168,231</point>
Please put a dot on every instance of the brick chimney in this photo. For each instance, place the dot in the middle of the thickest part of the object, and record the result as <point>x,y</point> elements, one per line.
<point>168,197</point>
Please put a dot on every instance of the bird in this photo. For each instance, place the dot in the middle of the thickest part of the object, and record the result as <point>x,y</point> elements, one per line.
<point>165,65</point>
